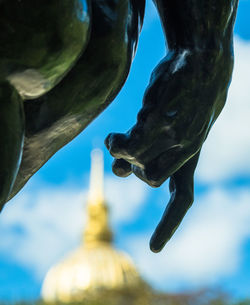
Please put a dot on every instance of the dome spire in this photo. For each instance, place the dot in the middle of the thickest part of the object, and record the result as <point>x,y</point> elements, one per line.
<point>96,265</point>
<point>97,229</point>
<point>96,193</point>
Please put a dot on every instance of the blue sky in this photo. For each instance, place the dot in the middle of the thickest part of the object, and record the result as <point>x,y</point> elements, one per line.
<point>211,248</point>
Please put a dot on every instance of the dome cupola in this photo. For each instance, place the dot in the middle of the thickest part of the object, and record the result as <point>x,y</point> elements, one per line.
<point>96,265</point>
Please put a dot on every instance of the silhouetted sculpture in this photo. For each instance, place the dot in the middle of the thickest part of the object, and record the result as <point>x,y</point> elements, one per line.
<point>63,61</point>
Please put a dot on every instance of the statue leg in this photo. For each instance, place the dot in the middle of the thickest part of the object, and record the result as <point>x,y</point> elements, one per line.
<point>11,137</point>
<point>56,118</point>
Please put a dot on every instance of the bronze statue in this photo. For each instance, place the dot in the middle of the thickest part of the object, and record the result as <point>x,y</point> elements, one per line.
<point>63,62</point>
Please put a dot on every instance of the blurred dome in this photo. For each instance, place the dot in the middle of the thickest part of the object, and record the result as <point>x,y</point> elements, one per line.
<point>87,271</point>
<point>95,265</point>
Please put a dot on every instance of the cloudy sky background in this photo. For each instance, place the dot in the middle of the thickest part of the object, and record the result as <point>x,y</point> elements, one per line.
<point>211,248</point>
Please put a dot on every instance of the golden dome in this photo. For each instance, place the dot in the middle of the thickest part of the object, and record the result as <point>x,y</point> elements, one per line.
<point>95,265</point>
<point>88,270</point>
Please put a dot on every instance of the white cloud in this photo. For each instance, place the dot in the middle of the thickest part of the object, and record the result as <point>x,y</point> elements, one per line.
<point>40,226</point>
<point>207,248</point>
<point>226,151</point>
<point>126,197</point>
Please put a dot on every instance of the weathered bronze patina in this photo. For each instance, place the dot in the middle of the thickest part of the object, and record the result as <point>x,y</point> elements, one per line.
<point>63,61</point>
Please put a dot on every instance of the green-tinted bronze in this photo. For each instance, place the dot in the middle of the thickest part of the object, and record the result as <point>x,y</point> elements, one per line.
<point>40,41</point>
<point>83,50</point>
<point>63,61</point>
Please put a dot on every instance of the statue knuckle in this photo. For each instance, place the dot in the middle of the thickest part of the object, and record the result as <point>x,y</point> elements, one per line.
<point>154,179</point>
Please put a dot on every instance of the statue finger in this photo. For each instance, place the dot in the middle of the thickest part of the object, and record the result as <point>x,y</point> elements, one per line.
<point>158,170</point>
<point>118,145</point>
<point>182,193</point>
<point>147,176</point>
<point>121,168</point>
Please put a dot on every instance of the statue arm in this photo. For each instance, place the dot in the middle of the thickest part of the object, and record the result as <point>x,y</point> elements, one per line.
<point>186,93</point>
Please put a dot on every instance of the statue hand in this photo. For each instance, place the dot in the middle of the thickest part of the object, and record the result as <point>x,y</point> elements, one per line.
<point>186,94</point>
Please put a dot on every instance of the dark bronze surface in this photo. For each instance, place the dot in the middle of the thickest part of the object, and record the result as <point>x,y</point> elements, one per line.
<point>186,93</point>
<point>40,42</point>
<point>62,62</point>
